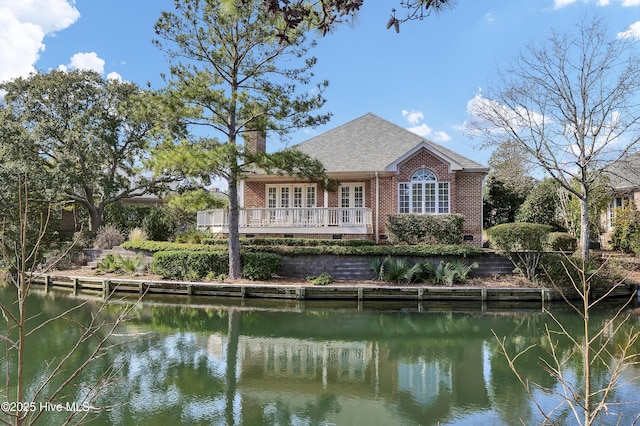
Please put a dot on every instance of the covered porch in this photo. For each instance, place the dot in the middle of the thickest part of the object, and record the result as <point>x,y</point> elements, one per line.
<point>297,220</point>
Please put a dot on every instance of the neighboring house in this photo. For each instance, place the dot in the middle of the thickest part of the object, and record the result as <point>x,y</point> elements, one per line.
<point>381,169</point>
<point>624,179</point>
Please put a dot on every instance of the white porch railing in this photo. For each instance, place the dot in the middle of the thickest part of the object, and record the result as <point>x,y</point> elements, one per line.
<point>356,220</point>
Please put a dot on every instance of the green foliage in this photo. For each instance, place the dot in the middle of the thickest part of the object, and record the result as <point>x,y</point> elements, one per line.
<point>126,216</point>
<point>366,250</point>
<point>402,271</point>
<point>322,279</point>
<point>500,201</point>
<point>197,199</point>
<point>260,266</point>
<point>159,224</point>
<point>236,78</point>
<point>120,264</point>
<point>462,269</point>
<point>155,246</point>
<point>297,242</point>
<point>626,227</point>
<point>445,273</point>
<point>187,264</point>
<point>541,204</point>
<point>425,229</point>
<point>108,237</point>
<point>88,146</point>
<point>561,241</point>
<point>522,243</point>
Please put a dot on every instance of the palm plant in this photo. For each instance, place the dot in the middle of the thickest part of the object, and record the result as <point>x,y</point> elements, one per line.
<point>400,271</point>
<point>108,264</point>
<point>445,273</point>
<point>462,269</point>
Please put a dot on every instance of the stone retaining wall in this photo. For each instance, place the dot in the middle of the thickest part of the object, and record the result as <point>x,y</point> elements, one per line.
<point>357,267</point>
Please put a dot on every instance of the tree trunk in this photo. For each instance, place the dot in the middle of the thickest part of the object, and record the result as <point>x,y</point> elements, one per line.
<point>95,218</point>
<point>584,227</point>
<point>234,232</point>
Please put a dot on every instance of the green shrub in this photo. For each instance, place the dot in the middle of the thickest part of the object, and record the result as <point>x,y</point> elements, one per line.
<point>425,229</point>
<point>322,279</point>
<point>156,246</point>
<point>293,242</point>
<point>260,266</point>
<point>187,264</point>
<point>522,243</point>
<point>626,226</point>
<point>561,241</point>
<point>365,250</point>
<point>159,224</point>
<point>183,264</point>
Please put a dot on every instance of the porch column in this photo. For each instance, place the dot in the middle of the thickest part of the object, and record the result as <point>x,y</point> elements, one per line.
<point>377,209</point>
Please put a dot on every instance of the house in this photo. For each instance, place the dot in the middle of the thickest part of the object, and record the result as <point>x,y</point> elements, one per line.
<point>624,181</point>
<point>381,169</point>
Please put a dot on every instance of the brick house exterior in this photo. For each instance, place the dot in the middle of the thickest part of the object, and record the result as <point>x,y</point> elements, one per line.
<point>381,169</point>
<point>624,180</point>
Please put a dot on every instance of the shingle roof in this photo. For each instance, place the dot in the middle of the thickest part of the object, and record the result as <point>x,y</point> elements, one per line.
<point>624,173</point>
<point>370,143</point>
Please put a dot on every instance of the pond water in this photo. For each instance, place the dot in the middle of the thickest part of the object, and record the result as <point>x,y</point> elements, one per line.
<point>211,361</point>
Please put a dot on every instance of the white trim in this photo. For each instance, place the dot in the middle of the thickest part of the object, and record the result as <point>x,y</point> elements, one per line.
<point>377,209</point>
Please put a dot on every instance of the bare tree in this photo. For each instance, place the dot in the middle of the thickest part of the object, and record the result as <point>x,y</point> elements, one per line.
<point>608,346</point>
<point>571,104</point>
<point>26,399</point>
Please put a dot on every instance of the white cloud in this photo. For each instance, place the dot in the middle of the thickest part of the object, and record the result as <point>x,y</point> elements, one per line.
<point>23,26</point>
<point>114,76</point>
<point>427,132</point>
<point>85,61</point>
<point>413,117</point>
<point>632,32</point>
<point>559,4</point>
<point>630,3</point>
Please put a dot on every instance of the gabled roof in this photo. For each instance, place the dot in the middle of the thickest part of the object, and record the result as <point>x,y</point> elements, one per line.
<point>370,143</point>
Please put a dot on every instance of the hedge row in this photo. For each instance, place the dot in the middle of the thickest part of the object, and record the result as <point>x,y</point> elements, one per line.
<point>364,250</point>
<point>304,242</point>
<point>418,250</point>
<point>425,228</point>
<point>196,265</point>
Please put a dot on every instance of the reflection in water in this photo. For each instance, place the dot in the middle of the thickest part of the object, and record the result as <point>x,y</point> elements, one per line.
<point>320,366</point>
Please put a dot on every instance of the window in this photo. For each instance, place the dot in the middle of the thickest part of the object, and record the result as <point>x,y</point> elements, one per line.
<point>285,196</point>
<point>351,202</point>
<point>424,194</point>
<point>616,203</point>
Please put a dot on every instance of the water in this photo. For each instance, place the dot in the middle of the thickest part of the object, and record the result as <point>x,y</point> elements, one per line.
<point>204,361</point>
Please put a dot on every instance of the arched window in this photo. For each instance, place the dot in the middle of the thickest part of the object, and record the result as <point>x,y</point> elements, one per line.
<point>423,194</point>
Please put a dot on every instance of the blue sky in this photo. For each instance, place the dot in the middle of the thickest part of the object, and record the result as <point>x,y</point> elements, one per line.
<point>422,79</point>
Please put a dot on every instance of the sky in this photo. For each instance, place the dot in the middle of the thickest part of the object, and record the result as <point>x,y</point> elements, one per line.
<point>423,78</point>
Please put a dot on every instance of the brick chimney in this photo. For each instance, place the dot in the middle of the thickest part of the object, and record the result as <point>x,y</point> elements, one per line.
<point>255,141</point>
